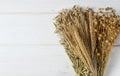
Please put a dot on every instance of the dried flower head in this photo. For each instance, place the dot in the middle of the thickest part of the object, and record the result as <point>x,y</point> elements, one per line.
<point>88,37</point>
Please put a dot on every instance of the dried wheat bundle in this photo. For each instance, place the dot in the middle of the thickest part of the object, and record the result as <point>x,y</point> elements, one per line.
<point>88,37</point>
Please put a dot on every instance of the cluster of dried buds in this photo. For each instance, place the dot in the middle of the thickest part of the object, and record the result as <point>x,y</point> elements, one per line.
<point>107,28</point>
<point>88,37</point>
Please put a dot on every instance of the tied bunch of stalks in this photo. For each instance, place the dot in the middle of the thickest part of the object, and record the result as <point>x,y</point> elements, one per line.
<point>88,37</point>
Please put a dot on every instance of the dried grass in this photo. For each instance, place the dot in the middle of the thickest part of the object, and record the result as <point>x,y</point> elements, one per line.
<point>88,37</point>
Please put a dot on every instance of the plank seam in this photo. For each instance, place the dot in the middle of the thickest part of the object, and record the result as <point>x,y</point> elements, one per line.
<point>32,13</point>
<point>39,45</point>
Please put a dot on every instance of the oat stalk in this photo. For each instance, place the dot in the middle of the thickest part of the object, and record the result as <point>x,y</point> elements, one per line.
<point>88,37</point>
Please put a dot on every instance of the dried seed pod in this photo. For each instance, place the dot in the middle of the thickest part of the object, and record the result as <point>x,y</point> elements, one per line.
<point>88,37</point>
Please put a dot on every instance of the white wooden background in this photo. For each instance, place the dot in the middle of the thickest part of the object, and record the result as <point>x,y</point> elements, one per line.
<point>28,44</point>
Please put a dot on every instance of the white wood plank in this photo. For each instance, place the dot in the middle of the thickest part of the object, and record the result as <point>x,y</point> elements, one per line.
<point>51,5</point>
<point>45,61</point>
<point>23,29</point>
<point>27,29</point>
<point>34,61</point>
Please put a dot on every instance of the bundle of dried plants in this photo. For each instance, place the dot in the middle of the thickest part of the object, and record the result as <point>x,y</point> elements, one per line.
<point>88,37</point>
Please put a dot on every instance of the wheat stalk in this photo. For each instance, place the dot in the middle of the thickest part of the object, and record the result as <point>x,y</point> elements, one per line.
<point>88,37</point>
